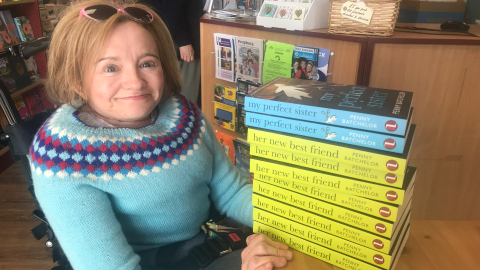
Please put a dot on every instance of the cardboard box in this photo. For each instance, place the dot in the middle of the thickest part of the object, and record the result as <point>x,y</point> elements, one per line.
<point>431,11</point>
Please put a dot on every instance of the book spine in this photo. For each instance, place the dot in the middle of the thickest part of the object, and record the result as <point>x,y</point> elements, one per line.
<point>325,150</point>
<point>325,115</point>
<point>362,138</point>
<point>323,224</point>
<point>321,238</point>
<point>373,208</point>
<point>317,251</point>
<point>264,169</point>
<point>347,216</point>
<point>18,24</point>
<point>326,165</point>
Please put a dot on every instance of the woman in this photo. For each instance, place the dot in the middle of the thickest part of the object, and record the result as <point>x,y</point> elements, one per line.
<point>294,68</point>
<point>302,73</point>
<point>126,164</point>
<point>309,70</point>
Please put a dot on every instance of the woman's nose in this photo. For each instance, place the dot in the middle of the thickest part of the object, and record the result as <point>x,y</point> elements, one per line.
<point>132,79</point>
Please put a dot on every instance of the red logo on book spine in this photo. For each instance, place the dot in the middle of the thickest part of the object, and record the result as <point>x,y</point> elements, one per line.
<point>380,228</point>
<point>234,237</point>
<point>377,243</point>
<point>385,212</point>
<point>389,143</point>
<point>392,165</point>
<point>390,178</point>
<point>378,259</point>
<point>391,195</point>
<point>391,125</point>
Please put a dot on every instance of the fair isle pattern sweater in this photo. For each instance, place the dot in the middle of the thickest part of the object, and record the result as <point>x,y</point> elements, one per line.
<point>111,192</point>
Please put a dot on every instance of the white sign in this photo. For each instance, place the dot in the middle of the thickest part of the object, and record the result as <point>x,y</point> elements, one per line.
<point>357,11</point>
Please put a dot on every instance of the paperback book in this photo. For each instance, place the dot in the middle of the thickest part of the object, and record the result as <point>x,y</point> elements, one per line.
<point>33,102</point>
<point>32,69</point>
<point>243,88</point>
<point>224,106</point>
<point>358,156</point>
<point>7,19</point>
<point>278,61</point>
<point>242,156</point>
<point>24,28</point>
<point>5,40</point>
<point>224,57</point>
<point>342,230</point>
<point>19,71</point>
<point>250,58</point>
<point>6,76</point>
<point>329,241</point>
<point>373,109</point>
<point>375,225</point>
<point>323,59</point>
<point>378,209</point>
<point>331,256</point>
<point>269,170</point>
<point>304,63</point>
<point>373,140</point>
<point>21,106</point>
<point>226,141</point>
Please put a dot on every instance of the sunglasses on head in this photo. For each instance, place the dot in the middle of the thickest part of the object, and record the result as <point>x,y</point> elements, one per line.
<point>103,12</point>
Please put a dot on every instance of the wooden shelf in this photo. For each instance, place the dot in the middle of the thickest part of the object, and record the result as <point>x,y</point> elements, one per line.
<point>13,3</point>
<point>21,91</point>
<point>4,150</point>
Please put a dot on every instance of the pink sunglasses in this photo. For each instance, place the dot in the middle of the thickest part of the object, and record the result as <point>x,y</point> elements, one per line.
<point>103,12</point>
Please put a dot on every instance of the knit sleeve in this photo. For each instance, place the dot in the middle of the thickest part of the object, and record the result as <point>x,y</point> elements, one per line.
<point>84,223</point>
<point>231,193</point>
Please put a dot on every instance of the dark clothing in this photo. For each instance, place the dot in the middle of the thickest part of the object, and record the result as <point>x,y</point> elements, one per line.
<point>182,19</point>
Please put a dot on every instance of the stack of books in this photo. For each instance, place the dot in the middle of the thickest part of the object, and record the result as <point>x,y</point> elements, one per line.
<point>330,169</point>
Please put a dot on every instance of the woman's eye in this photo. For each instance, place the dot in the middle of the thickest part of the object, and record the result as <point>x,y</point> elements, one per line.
<point>110,69</point>
<point>148,64</point>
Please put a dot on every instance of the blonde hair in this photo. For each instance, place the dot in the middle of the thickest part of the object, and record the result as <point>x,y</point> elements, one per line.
<point>77,42</point>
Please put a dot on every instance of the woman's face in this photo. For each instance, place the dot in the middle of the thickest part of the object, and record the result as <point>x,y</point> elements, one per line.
<point>295,64</point>
<point>309,68</point>
<point>127,81</point>
<point>303,64</point>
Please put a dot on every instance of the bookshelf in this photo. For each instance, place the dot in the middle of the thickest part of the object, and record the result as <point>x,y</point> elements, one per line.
<point>14,3</point>
<point>21,91</point>
<point>4,150</point>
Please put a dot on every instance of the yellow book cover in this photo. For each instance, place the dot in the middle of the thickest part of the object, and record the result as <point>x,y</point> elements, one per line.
<point>317,251</point>
<point>370,207</point>
<point>321,238</point>
<point>264,167</point>
<point>358,156</point>
<point>362,221</point>
<point>224,106</point>
<point>326,165</point>
<point>324,224</point>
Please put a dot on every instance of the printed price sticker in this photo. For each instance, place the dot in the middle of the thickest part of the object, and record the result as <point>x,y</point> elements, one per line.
<point>357,11</point>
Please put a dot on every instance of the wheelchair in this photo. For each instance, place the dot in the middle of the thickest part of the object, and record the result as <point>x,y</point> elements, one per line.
<point>19,135</point>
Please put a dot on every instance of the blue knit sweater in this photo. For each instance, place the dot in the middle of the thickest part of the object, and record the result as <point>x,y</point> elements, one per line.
<point>111,192</point>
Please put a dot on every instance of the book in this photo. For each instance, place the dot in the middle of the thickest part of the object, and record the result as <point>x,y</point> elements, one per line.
<point>304,63</point>
<point>6,76</point>
<point>242,156</point>
<point>331,256</point>
<point>323,59</point>
<point>21,106</point>
<point>32,68</point>
<point>363,253</point>
<point>326,165</point>
<point>269,170</point>
<point>226,141</point>
<point>19,71</point>
<point>5,40</point>
<point>378,226</point>
<point>7,19</point>
<point>243,88</point>
<point>250,59</point>
<point>342,230</point>
<point>359,156</point>
<point>33,101</point>
<point>24,28</point>
<point>373,109</point>
<point>373,140</point>
<point>377,209</point>
<point>224,57</point>
<point>224,106</point>
<point>277,61</point>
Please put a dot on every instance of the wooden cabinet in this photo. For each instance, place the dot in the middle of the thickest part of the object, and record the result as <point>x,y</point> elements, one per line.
<point>442,71</point>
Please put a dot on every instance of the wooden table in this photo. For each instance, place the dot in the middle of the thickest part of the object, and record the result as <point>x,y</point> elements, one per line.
<point>432,245</point>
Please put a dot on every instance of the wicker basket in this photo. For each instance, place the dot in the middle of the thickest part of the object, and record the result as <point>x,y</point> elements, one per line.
<point>385,14</point>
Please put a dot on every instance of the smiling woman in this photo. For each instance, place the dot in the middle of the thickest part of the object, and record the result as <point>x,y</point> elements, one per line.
<point>126,169</point>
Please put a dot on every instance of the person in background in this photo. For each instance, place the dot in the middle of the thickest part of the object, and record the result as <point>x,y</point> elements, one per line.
<point>302,73</point>
<point>182,18</point>
<point>294,68</point>
<point>255,65</point>
<point>250,70</point>
<point>309,70</point>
